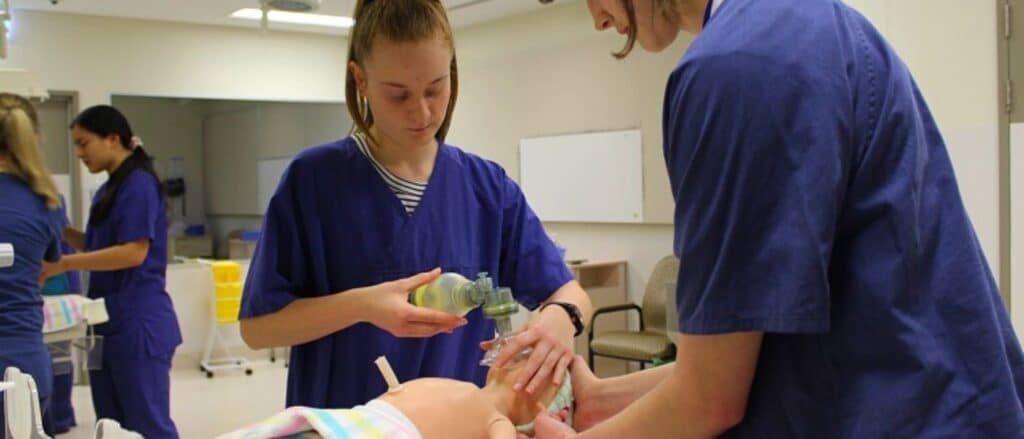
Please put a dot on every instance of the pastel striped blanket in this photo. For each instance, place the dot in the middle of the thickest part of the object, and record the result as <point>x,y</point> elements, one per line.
<point>375,420</point>
<point>66,311</point>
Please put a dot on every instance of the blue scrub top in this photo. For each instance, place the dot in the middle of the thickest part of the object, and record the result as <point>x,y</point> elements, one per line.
<point>816,202</point>
<point>74,277</point>
<point>334,225</point>
<point>142,320</point>
<point>70,282</point>
<point>27,224</point>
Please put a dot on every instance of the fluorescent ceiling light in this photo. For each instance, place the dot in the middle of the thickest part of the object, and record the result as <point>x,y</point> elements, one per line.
<point>295,18</point>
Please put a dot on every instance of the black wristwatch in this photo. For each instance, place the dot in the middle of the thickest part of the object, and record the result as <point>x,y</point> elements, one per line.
<point>574,315</point>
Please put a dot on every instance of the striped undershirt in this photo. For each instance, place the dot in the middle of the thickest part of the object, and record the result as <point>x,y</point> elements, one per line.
<point>408,192</point>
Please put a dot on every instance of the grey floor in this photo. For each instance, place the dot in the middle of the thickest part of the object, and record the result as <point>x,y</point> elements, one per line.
<point>202,407</point>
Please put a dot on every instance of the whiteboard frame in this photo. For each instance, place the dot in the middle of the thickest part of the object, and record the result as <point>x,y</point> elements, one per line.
<point>592,177</point>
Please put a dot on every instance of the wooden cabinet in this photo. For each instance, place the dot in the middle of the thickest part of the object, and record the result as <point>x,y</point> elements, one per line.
<point>605,282</point>
<point>241,250</point>
<point>190,247</point>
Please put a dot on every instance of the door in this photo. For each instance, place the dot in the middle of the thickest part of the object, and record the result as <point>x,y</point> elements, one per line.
<point>1011,30</point>
<point>55,114</point>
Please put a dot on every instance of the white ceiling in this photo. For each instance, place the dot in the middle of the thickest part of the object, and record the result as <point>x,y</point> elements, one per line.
<point>215,12</point>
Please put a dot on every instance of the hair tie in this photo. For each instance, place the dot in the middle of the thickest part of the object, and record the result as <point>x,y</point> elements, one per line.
<point>136,142</point>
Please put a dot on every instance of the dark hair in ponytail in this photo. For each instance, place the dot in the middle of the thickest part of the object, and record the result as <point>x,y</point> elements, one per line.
<point>104,121</point>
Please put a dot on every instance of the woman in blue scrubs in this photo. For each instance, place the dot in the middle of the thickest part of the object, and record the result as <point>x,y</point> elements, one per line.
<point>125,251</point>
<point>28,206</point>
<point>831,284</point>
<point>356,224</point>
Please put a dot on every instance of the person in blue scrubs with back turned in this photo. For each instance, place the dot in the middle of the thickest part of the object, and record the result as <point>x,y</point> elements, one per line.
<point>29,205</point>
<point>125,251</point>
<point>831,283</point>
<point>61,417</point>
<point>357,224</point>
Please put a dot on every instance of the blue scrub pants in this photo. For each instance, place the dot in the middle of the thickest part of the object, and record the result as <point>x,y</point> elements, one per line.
<point>61,415</point>
<point>136,392</point>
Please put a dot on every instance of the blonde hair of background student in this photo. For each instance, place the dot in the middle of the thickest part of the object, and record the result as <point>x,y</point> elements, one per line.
<point>19,152</point>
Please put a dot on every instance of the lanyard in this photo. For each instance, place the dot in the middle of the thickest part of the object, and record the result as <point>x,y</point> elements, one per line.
<point>707,12</point>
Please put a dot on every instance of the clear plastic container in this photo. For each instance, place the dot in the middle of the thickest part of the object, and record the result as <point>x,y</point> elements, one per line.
<point>60,353</point>
<point>90,351</point>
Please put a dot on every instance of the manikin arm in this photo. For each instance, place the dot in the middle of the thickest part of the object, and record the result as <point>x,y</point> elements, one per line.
<point>501,428</point>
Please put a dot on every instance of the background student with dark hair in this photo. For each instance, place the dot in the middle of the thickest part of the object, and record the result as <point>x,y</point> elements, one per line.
<point>125,251</point>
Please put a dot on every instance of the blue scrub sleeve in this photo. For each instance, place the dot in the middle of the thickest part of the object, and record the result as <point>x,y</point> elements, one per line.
<point>54,234</point>
<point>63,220</point>
<point>136,207</point>
<point>58,222</point>
<point>530,263</point>
<point>53,251</point>
<point>756,157</point>
<point>278,264</point>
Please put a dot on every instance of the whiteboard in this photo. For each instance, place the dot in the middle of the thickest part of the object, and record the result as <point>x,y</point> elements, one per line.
<point>268,174</point>
<point>592,177</point>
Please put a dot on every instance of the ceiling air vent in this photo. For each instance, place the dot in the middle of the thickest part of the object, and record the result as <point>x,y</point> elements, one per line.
<point>294,5</point>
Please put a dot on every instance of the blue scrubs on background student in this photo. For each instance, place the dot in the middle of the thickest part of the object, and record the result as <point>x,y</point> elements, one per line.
<point>124,249</point>
<point>62,414</point>
<point>133,384</point>
<point>472,218</point>
<point>27,224</point>
<point>816,202</point>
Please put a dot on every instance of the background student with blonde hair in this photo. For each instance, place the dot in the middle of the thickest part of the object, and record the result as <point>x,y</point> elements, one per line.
<point>29,207</point>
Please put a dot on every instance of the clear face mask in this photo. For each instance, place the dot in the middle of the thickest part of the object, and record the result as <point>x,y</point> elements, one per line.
<point>500,344</point>
<point>500,306</point>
